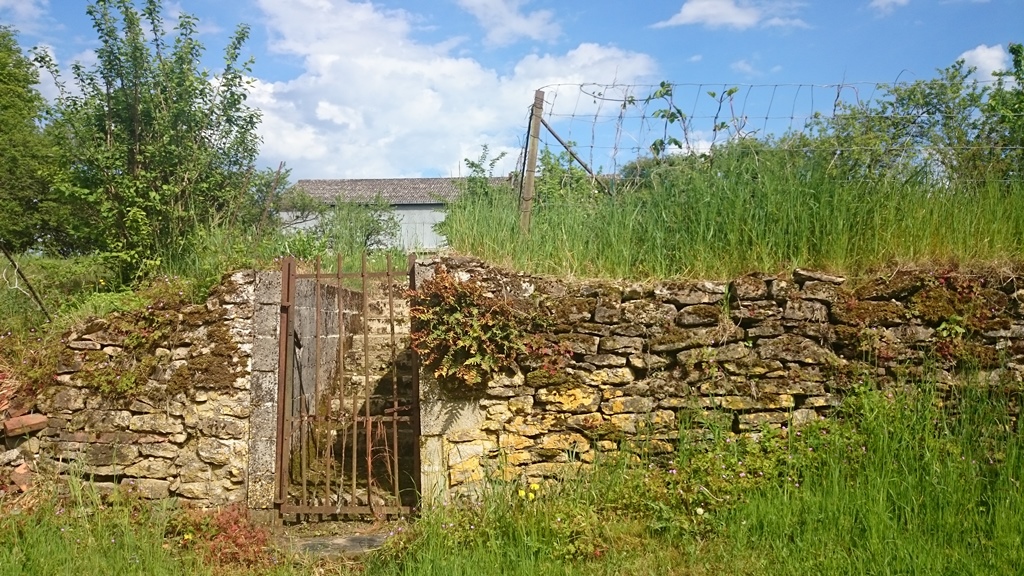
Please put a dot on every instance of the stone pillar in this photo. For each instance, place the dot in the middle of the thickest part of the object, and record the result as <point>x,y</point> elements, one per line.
<point>263,421</point>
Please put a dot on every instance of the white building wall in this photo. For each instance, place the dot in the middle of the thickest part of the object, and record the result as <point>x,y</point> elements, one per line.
<point>417,222</point>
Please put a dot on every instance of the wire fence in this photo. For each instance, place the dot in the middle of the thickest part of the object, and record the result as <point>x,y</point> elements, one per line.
<point>609,126</point>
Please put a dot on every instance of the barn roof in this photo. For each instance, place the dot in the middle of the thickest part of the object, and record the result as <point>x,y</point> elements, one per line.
<point>395,190</point>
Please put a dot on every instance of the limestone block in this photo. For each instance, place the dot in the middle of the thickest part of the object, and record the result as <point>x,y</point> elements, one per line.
<point>647,361</point>
<point>755,313</point>
<point>698,315</point>
<point>520,404</point>
<point>766,330</point>
<point>550,469</point>
<point>220,452</point>
<point>607,314</point>
<point>631,330</point>
<point>509,441</point>
<point>159,450</point>
<point>191,469</point>
<point>466,436</point>
<point>625,423</point>
<point>762,402</point>
<point>466,471</point>
<point>100,420</point>
<point>533,425</point>
<point>462,451</point>
<point>151,468</point>
<point>588,422</point>
<point>147,487</point>
<point>61,400</point>
<point>84,345</point>
<point>804,275</point>
<point>752,366</point>
<point>609,376</point>
<point>622,344</point>
<point>605,360</point>
<point>697,337</point>
<point>223,427</point>
<point>213,493</point>
<point>237,404</point>
<point>578,343</point>
<point>749,288</point>
<point>793,348</point>
<point>156,423</point>
<point>565,441</point>
<point>805,311</point>
<point>10,456</point>
<point>449,416</point>
<point>821,291</point>
<point>647,313</point>
<point>577,399</point>
<point>517,458</point>
<point>633,404</point>
<point>265,351</point>
<point>689,293</point>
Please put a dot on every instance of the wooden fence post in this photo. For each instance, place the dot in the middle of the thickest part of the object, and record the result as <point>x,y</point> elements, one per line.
<point>530,170</point>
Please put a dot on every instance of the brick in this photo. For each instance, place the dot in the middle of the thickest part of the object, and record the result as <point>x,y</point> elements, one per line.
<point>25,424</point>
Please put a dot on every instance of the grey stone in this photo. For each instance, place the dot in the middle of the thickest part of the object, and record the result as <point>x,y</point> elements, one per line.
<point>151,468</point>
<point>804,275</point>
<point>622,344</point>
<point>156,423</point>
<point>806,311</point>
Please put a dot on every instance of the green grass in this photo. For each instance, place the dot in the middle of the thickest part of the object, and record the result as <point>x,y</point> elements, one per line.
<point>747,213</point>
<point>85,535</point>
<point>896,486</point>
<point>931,494</point>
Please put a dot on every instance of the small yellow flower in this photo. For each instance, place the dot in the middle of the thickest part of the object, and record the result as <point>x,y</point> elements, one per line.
<point>530,496</point>
<point>522,493</point>
<point>534,487</point>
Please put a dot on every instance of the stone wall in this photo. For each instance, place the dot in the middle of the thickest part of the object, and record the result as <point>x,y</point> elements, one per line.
<point>159,399</point>
<point>643,359</point>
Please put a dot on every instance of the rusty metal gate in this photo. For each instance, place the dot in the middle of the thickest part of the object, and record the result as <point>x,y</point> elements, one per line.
<point>348,393</point>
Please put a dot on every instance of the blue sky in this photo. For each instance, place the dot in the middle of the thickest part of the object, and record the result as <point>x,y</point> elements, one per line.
<point>410,88</point>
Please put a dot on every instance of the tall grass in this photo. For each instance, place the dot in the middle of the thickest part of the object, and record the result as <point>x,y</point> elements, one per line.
<point>930,493</point>
<point>86,535</point>
<point>745,213</point>
<point>896,483</point>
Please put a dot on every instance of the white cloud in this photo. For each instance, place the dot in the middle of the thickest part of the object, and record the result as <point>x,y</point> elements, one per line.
<point>695,58</point>
<point>25,15</point>
<point>715,14</point>
<point>887,6</point>
<point>372,101</point>
<point>505,22</point>
<point>986,60</point>
<point>778,22</point>
<point>739,14</point>
<point>744,67</point>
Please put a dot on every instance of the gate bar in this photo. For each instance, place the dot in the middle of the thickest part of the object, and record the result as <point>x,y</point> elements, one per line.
<point>284,323</point>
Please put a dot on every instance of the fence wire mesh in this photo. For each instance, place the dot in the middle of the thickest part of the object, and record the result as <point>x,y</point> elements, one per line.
<point>930,127</point>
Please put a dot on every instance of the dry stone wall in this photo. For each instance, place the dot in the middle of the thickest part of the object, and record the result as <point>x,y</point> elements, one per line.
<point>642,360</point>
<point>181,424</point>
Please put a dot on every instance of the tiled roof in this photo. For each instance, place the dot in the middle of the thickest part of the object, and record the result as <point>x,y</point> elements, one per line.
<point>394,190</point>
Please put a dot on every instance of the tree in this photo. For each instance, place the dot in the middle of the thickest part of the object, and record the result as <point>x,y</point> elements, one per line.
<point>33,215</point>
<point>928,130</point>
<point>1004,113</point>
<point>354,227</point>
<point>155,146</point>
